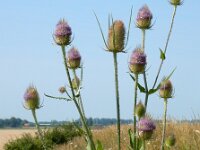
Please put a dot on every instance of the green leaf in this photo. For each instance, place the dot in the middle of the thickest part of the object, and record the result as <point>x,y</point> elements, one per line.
<point>88,147</point>
<point>141,88</point>
<point>131,137</point>
<point>162,54</point>
<point>99,146</point>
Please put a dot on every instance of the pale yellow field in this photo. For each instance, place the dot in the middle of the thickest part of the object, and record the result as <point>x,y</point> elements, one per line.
<point>8,134</point>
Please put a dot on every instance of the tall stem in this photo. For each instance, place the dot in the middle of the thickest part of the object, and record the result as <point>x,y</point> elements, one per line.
<point>166,45</point>
<point>144,74</point>
<point>135,103</point>
<point>144,145</point>
<point>79,98</point>
<point>38,128</point>
<point>87,130</point>
<point>164,124</point>
<point>117,99</point>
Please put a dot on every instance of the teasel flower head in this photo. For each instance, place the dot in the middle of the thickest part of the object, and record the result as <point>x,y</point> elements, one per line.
<point>62,34</point>
<point>140,110</point>
<point>145,128</point>
<point>144,17</point>
<point>176,2</point>
<point>73,58</point>
<point>166,89</point>
<point>62,89</point>
<point>137,62</point>
<point>31,97</point>
<point>75,83</point>
<point>170,141</point>
<point>116,37</point>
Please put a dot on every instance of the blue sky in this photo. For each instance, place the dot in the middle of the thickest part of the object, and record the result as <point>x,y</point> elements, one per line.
<point>28,55</point>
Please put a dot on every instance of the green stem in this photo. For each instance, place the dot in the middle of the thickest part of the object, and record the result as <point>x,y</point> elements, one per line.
<point>166,45</point>
<point>117,99</point>
<point>144,74</point>
<point>79,98</point>
<point>38,128</point>
<point>144,145</point>
<point>87,130</point>
<point>164,124</point>
<point>135,103</point>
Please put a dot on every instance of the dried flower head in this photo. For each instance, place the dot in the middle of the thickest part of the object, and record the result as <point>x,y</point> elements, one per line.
<point>62,89</point>
<point>146,127</point>
<point>176,2</point>
<point>144,18</point>
<point>170,141</point>
<point>63,32</point>
<point>31,97</point>
<point>137,62</point>
<point>166,89</point>
<point>73,58</point>
<point>116,37</point>
<point>140,110</point>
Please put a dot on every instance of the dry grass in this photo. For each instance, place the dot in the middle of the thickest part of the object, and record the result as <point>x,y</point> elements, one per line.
<point>187,136</point>
<point>9,134</point>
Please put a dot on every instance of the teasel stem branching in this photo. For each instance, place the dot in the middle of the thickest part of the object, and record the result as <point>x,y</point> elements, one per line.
<point>166,46</point>
<point>87,130</point>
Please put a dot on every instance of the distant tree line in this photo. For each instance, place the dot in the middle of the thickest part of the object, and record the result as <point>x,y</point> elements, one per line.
<point>12,123</point>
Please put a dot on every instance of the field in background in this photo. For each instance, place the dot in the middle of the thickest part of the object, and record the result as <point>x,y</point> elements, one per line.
<point>8,134</point>
<point>187,135</point>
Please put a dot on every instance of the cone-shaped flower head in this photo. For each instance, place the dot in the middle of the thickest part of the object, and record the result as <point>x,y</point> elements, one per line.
<point>176,2</point>
<point>62,89</point>
<point>146,127</point>
<point>166,89</point>
<point>63,32</point>
<point>137,61</point>
<point>140,110</point>
<point>116,37</point>
<point>31,97</point>
<point>170,141</point>
<point>144,17</point>
<point>76,83</point>
<point>73,58</point>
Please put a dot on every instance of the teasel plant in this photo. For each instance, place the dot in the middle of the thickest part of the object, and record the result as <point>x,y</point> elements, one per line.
<point>72,62</point>
<point>32,102</point>
<point>116,43</point>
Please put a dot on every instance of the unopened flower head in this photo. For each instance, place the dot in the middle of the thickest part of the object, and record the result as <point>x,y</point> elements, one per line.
<point>31,97</point>
<point>63,32</point>
<point>146,127</point>
<point>62,89</point>
<point>140,110</point>
<point>76,83</point>
<point>116,37</point>
<point>176,2</point>
<point>137,62</point>
<point>166,89</point>
<point>73,58</point>
<point>170,141</point>
<point>144,17</point>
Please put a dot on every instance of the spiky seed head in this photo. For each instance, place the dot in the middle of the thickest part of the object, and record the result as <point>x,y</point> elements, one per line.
<point>63,32</point>
<point>176,2</point>
<point>31,97</point>
<point>146,127</point>
<point>137,62</point>
<point>140,110</point>
<point>144,17</point>
<point>73,58</point>
<point>62,89</point>
<point>166,89</point>
<point>170,141</point>
<point>116,36</point>
<point>75,83</point>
